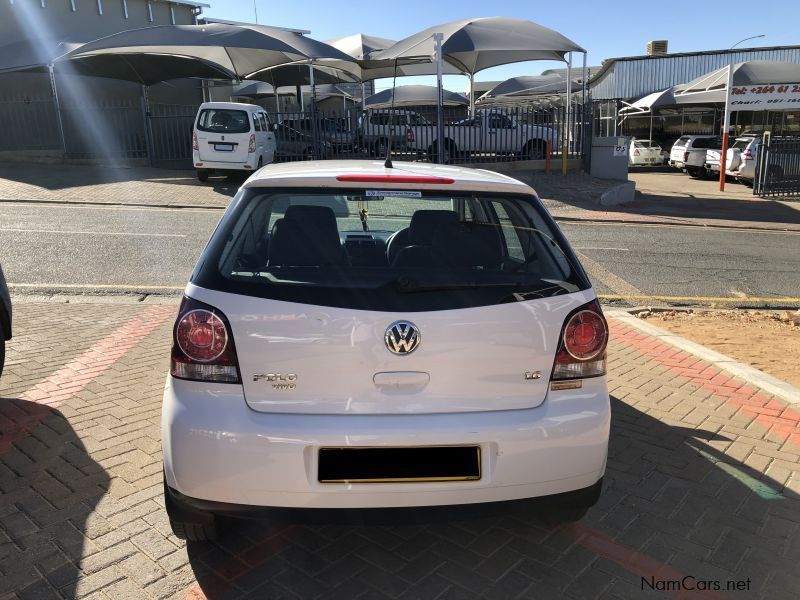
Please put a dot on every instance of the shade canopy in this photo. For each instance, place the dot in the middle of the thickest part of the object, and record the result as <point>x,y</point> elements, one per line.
<point>363,48</point>
<point>472,45</point>
<point>711,87</point>
<point>297,73</point>
<point>33,54</point>
<point>239,49</point>
<point>530,86</point>
<point>414,95</point>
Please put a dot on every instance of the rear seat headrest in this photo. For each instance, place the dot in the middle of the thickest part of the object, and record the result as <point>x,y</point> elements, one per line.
<point>424,224</point>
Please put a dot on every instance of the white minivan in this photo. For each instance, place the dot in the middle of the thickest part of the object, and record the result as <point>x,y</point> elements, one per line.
<point>359,337</point>
<point>230,136</point>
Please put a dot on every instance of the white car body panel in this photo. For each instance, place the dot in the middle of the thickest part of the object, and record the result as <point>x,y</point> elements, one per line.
<point>217,448</point>
<point>336,354</point>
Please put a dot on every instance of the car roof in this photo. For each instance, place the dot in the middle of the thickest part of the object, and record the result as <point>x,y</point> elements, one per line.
<point>324,173</point>
<point>230,105</point>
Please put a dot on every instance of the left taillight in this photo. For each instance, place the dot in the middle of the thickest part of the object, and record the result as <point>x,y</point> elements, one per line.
<point>582,347</point>
<point>202,345</point>
<point>251,148</point>
<point>195,145</point>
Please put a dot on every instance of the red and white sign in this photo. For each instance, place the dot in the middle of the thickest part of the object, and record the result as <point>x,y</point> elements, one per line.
<point>766,97</point>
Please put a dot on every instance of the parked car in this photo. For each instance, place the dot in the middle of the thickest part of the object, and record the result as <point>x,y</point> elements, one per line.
<point>488,132</point>
<point>230,136</point>
<point>5,318</point>
<point>684,144</point>
<point>378,127</point>
<point>293,144</point>
<point>742,153</point>
<point>644,152</point>
<point>443,348</point>
<point>695,155</point>
<point>741,159</point>
<point>332,134</point>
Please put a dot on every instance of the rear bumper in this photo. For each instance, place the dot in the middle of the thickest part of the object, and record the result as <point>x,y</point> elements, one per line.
<point>246,165</point>
<point>217,450</point>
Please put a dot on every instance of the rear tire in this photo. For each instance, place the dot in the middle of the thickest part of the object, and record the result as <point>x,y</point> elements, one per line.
<point>202,174</point>
<point>450,152</point>
<point>2,348</point>
<point>534,150</point>
<point>188,523</point>
<point>379,148</point>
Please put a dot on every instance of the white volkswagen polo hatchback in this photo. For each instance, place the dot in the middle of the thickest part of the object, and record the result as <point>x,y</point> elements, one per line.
<point>356,337</point>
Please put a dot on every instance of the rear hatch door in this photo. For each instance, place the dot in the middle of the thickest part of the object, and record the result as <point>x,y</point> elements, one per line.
<point>223,135</point>
<point>298,358</point>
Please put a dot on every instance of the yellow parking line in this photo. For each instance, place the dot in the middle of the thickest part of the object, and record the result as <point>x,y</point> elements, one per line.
<point>562,222</point>
<point>698,298</point>
<point>94,286</point>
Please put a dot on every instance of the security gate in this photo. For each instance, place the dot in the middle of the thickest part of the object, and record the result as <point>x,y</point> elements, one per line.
<point>170,135</point>
<point>778,167</point>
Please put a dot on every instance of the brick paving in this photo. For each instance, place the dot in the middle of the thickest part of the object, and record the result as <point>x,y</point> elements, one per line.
<point>703,481</point>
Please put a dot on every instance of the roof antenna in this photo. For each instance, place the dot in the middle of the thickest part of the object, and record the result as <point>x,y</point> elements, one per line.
<point>388,163</point>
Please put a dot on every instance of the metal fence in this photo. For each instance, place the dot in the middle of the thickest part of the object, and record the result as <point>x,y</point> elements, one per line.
<point>778,167</point>
<point>170,135</point>
<point>161,133</point>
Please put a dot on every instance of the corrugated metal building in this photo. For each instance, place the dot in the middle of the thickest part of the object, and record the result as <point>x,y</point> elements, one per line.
<point>625,80</point>
<point>632,77</point>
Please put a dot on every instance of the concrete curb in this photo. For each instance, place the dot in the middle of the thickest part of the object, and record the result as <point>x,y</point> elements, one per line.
<point>766,382</point>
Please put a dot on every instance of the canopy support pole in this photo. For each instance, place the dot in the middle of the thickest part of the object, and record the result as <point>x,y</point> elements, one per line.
<point>57,106</point>
<point>651,127</point>
<point>585,147</point>
<point>726,123</point>
<point>565,146</point>
<point>148,136</point>
<point>313,101</point>
<point>471,95</point>
<point>438,38</point>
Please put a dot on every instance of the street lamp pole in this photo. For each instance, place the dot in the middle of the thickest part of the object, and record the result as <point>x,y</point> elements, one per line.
<point>748,38</point>
<point>726,122</point>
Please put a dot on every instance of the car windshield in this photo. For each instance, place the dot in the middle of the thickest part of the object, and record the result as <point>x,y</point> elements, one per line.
<point>223,120</point>
<point>389,250</point>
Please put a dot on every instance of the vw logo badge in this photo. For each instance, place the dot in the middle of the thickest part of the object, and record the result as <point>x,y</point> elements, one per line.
<point>402,337</point>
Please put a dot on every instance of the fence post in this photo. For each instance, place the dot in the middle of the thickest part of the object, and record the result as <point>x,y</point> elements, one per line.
<point>148,141</point>
<point>57,106</point>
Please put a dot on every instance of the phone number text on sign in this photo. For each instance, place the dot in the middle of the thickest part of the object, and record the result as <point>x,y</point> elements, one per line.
<point>765,97</point>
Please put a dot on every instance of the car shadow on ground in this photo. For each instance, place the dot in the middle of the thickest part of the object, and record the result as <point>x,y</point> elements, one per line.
<point>49,487</point>
<point>673,506</point>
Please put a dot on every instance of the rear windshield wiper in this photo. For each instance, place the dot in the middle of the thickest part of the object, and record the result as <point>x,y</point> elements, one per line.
<point>407,286</point>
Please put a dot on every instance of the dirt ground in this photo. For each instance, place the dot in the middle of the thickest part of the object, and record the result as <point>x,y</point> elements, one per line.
<point>769,341</point>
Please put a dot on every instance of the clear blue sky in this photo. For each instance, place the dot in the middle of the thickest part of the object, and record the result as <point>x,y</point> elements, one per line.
<point>605,29</point>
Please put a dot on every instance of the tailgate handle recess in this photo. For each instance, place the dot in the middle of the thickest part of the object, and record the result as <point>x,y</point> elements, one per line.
<point>401,379</point>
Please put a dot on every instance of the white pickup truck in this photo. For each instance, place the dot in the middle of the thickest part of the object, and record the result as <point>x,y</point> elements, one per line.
<point>488,132</point>
<point>695,156</point>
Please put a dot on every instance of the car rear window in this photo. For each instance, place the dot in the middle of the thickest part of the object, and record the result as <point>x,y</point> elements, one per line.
<point>705,143</point>
<point>682,141</point>
<point>223,120</point>
<point>389,251</point>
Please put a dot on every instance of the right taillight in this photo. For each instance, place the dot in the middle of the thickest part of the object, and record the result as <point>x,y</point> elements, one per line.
<point>202,348</point>
<point>410,135</point>
<point>582,347</point>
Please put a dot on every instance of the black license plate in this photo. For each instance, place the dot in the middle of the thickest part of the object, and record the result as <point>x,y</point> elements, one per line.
<point>397,465</point>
